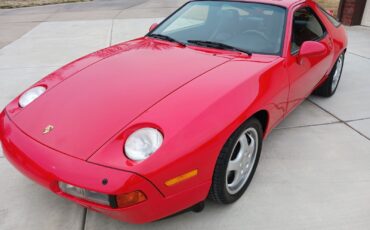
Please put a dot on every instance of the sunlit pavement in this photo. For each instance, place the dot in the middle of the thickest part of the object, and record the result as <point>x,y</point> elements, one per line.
<point>314,171</point>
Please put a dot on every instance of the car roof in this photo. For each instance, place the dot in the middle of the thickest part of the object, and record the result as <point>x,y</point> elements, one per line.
<point>284,3</point>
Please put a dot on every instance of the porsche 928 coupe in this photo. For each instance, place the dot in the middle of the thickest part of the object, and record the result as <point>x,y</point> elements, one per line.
<point>146,128</point>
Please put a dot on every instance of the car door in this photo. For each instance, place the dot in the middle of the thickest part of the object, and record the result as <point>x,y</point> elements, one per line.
<point>305,73</point>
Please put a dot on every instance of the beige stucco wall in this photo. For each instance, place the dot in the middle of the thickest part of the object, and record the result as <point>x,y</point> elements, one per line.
<point>366,17</point>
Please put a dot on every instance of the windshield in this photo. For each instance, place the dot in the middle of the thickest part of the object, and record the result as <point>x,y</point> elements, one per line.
<point>255,27</point>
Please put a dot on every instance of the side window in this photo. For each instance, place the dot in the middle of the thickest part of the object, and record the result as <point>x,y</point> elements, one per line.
<point>306,27</point>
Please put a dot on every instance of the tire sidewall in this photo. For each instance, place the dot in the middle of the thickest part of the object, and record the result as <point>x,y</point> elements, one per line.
<point>333,72</point>
<point>221,167</point>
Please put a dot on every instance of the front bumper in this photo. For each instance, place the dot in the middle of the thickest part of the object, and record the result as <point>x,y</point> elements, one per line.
<point>47,167</point>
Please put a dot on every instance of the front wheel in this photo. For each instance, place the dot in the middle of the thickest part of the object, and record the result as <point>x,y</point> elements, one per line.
<point>328,88</point>
<point>237,163</point>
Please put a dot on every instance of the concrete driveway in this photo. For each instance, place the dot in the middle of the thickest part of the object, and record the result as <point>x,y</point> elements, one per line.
<point>314,171</point>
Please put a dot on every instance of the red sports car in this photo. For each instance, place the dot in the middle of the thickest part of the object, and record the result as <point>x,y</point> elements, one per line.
<point>147,128</point>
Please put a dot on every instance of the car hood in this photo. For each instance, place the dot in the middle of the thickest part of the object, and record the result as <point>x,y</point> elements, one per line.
<point>88,108</point>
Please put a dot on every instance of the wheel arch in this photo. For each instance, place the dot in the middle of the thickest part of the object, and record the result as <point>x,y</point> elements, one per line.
<point>263,117</point>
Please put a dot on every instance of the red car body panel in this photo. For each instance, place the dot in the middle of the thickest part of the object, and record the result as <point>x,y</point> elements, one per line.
<point>195,125</point>
<point>121,101</point>
<point>197,97</point>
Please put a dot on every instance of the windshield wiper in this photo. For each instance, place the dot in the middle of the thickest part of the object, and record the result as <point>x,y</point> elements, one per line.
<point>166,38</point>
<point>219,45</point>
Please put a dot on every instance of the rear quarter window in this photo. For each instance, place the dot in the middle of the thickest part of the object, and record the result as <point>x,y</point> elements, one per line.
<point>330,17</point>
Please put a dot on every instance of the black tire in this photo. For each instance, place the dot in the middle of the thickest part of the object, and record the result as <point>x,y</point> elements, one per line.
<point>327,89</point>
<point>219,191</point>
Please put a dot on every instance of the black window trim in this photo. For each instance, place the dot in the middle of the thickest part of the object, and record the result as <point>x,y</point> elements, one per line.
<point>295,53</point>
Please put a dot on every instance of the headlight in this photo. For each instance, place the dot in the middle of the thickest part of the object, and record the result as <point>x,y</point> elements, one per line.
<point>143,143</point>
<point>30,95</point>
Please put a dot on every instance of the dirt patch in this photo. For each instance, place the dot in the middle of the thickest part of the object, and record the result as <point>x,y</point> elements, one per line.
<point>7,4</point>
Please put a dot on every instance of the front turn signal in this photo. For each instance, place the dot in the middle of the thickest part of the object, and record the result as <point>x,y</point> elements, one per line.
<point>129,199</point>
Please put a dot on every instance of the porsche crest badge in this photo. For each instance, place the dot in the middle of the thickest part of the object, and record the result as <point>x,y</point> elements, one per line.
<point>48,129</point>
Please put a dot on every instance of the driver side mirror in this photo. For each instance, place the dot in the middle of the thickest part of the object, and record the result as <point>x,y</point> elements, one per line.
<point>311,48</point>
<point>152,27</point>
